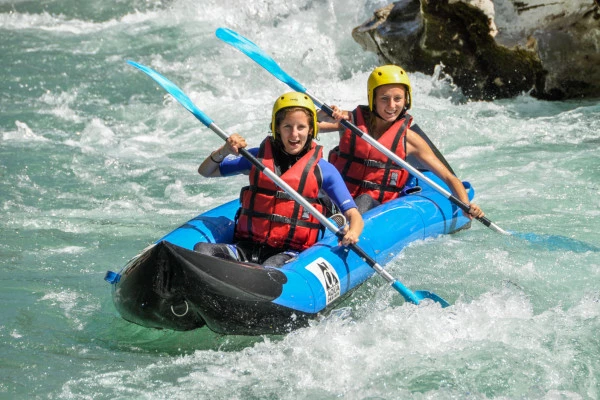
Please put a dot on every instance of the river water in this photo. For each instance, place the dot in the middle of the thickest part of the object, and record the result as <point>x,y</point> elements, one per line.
<point>96,162</point>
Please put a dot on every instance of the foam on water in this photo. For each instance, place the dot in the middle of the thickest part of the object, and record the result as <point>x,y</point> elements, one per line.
<point>65,25</point>
<point>439,353</point>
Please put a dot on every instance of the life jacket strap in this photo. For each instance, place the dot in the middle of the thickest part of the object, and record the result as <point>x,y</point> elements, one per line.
<point>278,194</point>
<point>280,219</point>
<point>372,185</point>
<point>368,162</point>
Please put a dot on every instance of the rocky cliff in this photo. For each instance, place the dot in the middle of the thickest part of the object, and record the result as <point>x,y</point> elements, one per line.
<point>499,49</point>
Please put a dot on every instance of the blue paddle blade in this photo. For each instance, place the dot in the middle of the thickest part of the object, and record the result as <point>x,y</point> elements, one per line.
<point>423,294</point>
<point>250,49</point>
<point>174,91</point>
<point>556,242</point>
<point>416,297</point>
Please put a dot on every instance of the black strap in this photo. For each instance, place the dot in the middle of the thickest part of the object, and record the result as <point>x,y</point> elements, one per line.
<point>256,176</point>
<point>279,218</point>
<point>314,158</point>
<point>368,162</point>
<point>389,163</point>
<point>278,194</point>
<point>350,159</point>
<point>372,185</point>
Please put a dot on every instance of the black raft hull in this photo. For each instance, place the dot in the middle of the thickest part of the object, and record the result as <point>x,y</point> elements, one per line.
<point>170,287</point>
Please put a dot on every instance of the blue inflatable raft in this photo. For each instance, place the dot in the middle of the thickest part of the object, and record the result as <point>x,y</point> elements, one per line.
<point>169,286</point>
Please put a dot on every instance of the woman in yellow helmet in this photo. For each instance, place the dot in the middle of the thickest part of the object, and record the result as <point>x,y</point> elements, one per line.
<point>271,227</point>
<point>370,176</point>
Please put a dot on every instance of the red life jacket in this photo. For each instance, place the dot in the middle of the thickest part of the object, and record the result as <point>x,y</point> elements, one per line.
<point>364,168</point>
<point>269,215</point>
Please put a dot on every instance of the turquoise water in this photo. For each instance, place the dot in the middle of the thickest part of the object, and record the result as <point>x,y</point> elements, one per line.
<point>96,163</point>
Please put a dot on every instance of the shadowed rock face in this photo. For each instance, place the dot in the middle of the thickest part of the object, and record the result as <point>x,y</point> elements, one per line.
<point>549,48</point>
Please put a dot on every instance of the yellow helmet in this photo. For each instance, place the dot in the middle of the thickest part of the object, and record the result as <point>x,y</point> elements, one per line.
<point>294,99</point>
<point>387,74</point>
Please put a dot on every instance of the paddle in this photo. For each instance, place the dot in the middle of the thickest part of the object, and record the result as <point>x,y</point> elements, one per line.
<point>171,88</point>
<point>254,52</point>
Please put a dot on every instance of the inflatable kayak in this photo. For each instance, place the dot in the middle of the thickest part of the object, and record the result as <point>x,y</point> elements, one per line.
<point>170,286</point>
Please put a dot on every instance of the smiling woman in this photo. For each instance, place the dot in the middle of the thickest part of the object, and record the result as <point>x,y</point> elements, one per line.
<point>271,229</point>
<point>370,174</point>
<point>294,122</point>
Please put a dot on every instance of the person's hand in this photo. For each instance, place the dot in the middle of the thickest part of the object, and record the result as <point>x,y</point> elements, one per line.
<point>350,237</point>
<point>234,143</point>
<point>339,114</point>
<point>475,211</point>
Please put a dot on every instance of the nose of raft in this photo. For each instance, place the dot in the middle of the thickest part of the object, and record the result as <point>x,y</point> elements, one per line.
<point>170,287</point>
<point>163,306</point>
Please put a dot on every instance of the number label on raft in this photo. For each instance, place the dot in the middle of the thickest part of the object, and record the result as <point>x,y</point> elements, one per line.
<point>328,277</point>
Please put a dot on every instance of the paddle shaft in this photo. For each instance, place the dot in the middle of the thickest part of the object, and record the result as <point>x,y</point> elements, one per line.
<point>185,101</point>
<point>249,48</point>
<point>403,290</point>
<point>322,219</point>
<point>394,157</point>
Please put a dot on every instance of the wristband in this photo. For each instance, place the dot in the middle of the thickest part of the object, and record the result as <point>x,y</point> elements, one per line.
<point>215,161</point>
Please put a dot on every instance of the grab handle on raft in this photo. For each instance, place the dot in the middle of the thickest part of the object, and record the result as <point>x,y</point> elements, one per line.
<point>184,100</point>
<point>260,57</point>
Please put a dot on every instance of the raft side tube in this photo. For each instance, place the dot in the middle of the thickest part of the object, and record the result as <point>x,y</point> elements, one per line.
<point>214,226</point>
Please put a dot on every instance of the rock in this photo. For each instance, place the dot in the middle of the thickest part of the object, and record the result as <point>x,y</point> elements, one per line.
<point>500,49</point>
